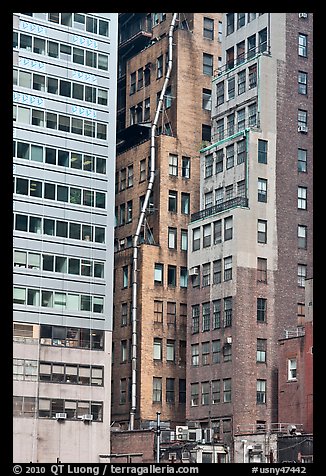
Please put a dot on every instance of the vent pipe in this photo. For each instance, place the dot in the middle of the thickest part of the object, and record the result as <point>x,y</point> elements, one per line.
<point>139,225</point>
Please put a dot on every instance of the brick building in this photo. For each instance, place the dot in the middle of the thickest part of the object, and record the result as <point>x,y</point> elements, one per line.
<point>183,127</point>
<point>295,378</point>
<point>250,243</point>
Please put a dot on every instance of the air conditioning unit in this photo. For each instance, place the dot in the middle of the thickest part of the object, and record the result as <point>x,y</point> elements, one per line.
<point>228,340</point>
<point>207,435</point>
<point>194,271</point>
<point>303,128</point>
<point>258,447</point>
<point>181,432</point>
<point>61,416</point>
<point>87,417</point>
<point>172,456</point>
<point>195,435</point>
<point>250,447</point>
<point>303,15</point>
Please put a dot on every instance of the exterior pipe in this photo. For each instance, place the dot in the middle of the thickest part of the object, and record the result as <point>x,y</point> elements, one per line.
<point>136,236</point>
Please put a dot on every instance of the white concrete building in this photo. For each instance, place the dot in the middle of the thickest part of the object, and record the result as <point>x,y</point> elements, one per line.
<point>64,166</point>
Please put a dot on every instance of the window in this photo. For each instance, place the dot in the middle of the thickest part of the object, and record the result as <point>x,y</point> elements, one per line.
<point>261,309</point>
<point>262,190</point>
<point>158,273</point>
<point>302,119</point>
<point>292,369</point>
<point>302,82</point>
<point>208,165</point>
<point>206,316</point>
<point>173,165</point>
<point>172,275</point>
<point>206,132</point>
<point>208,31</point>
<point>170,350</point>
<point>157,389</point>
<point>157,349</point>
<point>303,45</point>
<point>207,235</point>
<point>219,162</point>
<point>207,99</point>
<point>185,167</point>
<point>208,64</point>
<point>228,268</point>
<point>302,198</point>
<point>182,390</point>
<point>217,230</point>
<point>216,391</point>
<point>172,204</point>
<point>216,351</point>
<point>241,120</point>
<point>227,352</point>
<point>159,66</point>
<point>262,270</point>
<point>227,390</point>
<point>262,40</point>
<point>183,277</point>
<point>302,237</point>
<point>228,312</point>
<point>147,109</point>
<point>262,231</point>
<point>241,53</point>
<point>184,240</point>
<point>261,350</point>
<point>302,275</point>
<point>217,271</point>
<point>252,114</point>
<point>185,203</point>
<point>262,151</point>
<point>170,394</point>
<point>230,124</point>
<point>217,314</point>
<point>133,83</point>
<point>125,276</point>
<point>220,129</point>
<point>142,170</point>
<point>172,238</point>
<point>158,311</point>
<point>196,239</point>
<point>229,156</point>
<point>241,82</point>
<point>231,88</point>
<point>123,349</point>
<point>302,160</point>
<point>205,393</point>
<point>229,23</point>
<point>252,76</point>
<point>195,355</point>
<point>208,199</point>
<point>194,394</point>
<point>220,93</point>
<point>251,42</point>
<point>228,228</point>
<point>230,58</point>
<point>261,391</point>
<point>195,318</point>
<point>171,313</point>
<point>241,20</point>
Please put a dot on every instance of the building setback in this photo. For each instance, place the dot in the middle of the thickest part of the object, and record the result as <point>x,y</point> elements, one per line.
<point>64,165</point>
<point>250,243</point>
<point>183,128</point>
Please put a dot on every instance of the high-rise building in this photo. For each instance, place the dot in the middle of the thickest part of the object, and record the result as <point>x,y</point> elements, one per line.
<point>173,55</point>
<point>250,243</point>
<point>64,165</point>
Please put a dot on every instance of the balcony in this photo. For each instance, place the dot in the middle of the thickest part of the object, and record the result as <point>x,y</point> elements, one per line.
<point>282,428</point>
<point>220,207</point>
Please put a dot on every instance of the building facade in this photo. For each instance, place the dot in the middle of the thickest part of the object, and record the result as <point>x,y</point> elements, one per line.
<point>64,165</point>
<point>250,243</point>
<point>183,127</point>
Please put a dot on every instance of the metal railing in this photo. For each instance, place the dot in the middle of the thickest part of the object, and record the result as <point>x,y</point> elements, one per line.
<point>243,58</point>
<point>220,207</point>
<point>298,332</point>
<point>269,428</point>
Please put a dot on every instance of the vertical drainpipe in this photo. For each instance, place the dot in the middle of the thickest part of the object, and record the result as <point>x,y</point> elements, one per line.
<point>136,236</point>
